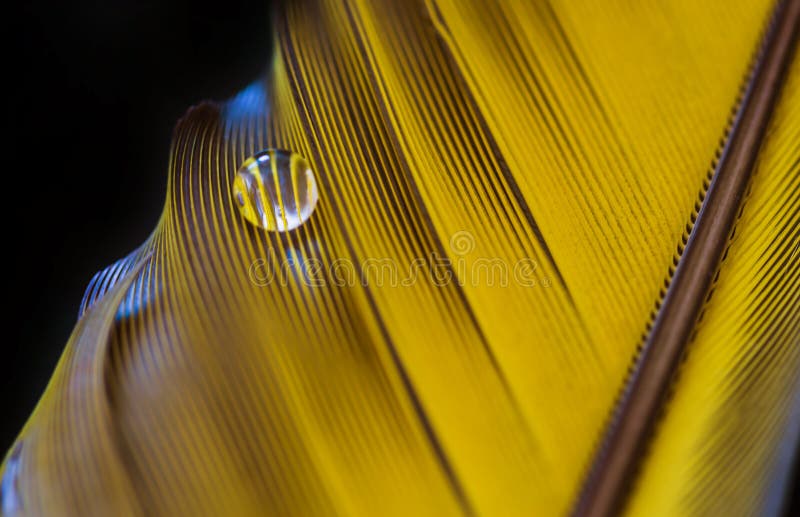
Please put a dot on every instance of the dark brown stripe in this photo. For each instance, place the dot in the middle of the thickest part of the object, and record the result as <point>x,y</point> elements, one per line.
<point>615,465</point>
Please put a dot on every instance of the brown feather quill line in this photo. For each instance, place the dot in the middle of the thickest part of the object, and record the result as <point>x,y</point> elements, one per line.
<point>606,487</point>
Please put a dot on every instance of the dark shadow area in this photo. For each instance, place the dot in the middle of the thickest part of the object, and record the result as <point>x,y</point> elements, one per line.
<point>99,87</point>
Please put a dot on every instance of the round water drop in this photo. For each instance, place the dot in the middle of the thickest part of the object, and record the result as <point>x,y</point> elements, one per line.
<point>275,190</point>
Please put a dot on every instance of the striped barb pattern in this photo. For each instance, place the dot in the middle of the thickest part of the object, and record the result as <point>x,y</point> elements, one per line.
<point>504,191</point>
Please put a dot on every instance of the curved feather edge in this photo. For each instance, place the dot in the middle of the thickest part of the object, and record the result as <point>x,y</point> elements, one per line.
<point>71,430</point>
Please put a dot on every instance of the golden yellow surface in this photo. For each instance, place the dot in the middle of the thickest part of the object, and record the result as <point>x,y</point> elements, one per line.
<point>503,186</point>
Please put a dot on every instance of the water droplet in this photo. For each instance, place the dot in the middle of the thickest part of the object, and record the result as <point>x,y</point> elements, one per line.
<point>276,190</point>
<point>10,502</point>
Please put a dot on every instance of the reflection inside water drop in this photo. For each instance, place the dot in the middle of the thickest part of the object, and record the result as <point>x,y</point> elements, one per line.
<point>10,502</point>
<point>276,190</point>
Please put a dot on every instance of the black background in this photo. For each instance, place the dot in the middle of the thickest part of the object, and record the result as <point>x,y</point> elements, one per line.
<point>98,87</point>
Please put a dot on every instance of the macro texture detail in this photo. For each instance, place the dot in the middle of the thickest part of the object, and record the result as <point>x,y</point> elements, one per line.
<point>501,193</point>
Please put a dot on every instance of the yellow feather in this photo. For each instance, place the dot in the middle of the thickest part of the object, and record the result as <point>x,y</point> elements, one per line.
<point>725,445</point>
<point>503,187</point>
